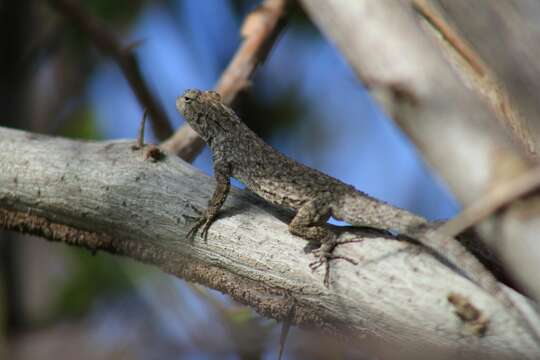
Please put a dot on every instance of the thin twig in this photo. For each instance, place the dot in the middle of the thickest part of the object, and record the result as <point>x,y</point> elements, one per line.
<point>456,41</point>
<point>498,197</point>
<point>140,134</point>
<point>260,30</point>
<point>286,327</point>
<point>482,79</point>
<point>107,43</point>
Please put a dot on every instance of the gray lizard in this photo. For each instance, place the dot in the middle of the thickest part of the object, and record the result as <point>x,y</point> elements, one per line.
<point>238,152</point>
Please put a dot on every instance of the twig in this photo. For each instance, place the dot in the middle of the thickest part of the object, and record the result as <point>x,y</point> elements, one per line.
<point>499,196</point>
<point>456,41</point>
<point>260,30</point>
<point>483,79</point>
<point>140,135</point>
<point>286,327</point>
<point>107,43</point>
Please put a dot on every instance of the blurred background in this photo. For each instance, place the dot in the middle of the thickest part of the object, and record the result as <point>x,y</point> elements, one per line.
<point>58,302</point>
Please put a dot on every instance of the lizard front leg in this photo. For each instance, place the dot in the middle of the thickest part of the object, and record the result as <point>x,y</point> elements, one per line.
<point>222,173</point>
<point>309,223</point>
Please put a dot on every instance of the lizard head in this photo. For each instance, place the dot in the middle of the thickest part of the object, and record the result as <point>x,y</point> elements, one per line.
<point>190,104</point>
<point>203,110</point>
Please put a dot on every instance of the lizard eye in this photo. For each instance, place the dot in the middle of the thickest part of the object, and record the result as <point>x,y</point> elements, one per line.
<point>187,99</point>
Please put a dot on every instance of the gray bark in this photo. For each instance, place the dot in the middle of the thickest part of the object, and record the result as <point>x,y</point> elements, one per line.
<point>105,196</point>
<point>456,130</point>
<point>506,34</point>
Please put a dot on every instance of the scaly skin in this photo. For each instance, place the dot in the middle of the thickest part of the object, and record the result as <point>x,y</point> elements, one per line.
<point>238,152</point>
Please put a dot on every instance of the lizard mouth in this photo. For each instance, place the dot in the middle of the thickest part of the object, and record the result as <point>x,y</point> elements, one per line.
<point>180,104</point>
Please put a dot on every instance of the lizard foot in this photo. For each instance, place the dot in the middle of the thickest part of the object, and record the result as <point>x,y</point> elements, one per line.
<point>324,256</point>
<point>200,222</point>
<point>203,221</point>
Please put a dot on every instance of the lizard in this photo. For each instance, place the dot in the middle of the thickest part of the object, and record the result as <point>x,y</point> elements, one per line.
<point>315,197</point>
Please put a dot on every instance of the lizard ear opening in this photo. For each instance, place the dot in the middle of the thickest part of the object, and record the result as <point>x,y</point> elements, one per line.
<point>214,95</point>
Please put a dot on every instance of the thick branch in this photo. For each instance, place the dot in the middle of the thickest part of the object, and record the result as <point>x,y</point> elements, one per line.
<point>453,127</point>
<point>391,54</point>
<point>107,43</point>
<point>260,30</point>
<point>104,196</point>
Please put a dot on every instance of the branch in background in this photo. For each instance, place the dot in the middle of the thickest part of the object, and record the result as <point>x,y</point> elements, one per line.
<point>426,10</point>
<point>420,91</point>
<point>455,130</point>
<point>498,197</point>
<point>104,196</point>
<point>509,54</point>
<point>107,43</point>
<point>475,74</point>
<point>260,30</point>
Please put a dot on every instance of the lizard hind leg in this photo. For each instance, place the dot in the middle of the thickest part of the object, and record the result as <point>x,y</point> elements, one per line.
<point>309,223</point>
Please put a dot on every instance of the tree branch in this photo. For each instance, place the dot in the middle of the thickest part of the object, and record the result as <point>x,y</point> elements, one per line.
<point>105,196</point>
<point>419,90</point>
<point>449,34</point>
<point>475,74</point>
<point>260,30</point>
<point>455,130</point>
<point>509,54</point>
<point>107,43</point>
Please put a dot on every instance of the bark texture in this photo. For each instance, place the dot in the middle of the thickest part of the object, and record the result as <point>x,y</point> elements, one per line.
<point>455,128</point>
<point>105,196</point>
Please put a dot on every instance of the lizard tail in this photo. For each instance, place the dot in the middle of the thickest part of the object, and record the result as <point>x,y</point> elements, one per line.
<point>362,210</point>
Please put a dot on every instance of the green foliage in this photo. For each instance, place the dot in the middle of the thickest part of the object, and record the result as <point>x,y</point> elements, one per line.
<point>92,277</point>
<point>115,12</point>
<point>81,125</point>
<point>240,315</point>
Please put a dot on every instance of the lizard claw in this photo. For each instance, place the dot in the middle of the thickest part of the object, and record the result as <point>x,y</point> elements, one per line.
<point>204,221</point>
<point>199,220</point>
<point>324,256</point>
<point>195,209</point>
<point>195,227</point>
<point>205,227</point>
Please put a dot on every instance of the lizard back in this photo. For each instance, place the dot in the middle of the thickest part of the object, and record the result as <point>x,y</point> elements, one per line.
<point>263,169</point>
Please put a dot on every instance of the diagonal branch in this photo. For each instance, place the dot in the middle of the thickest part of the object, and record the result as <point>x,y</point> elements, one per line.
<point>107,43</point>
<point>457,132</point>
<point>451,36</point>
<point>105,196</point>
<point>260,30</point>
<point>476,74</point>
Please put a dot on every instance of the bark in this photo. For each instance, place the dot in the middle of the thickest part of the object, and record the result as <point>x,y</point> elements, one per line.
<point>503,32</point>
<point>456,130</point>
<point>106,196</point>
